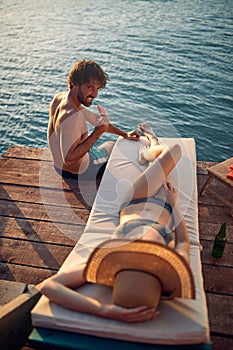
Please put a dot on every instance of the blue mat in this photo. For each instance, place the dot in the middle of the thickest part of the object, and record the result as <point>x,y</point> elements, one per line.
<point>56,339</point>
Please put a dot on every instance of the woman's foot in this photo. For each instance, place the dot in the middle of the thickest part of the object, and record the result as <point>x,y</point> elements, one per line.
<point>145,155</point>
<point>149,133</point>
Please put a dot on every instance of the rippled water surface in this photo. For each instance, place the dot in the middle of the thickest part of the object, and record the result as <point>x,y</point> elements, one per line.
<point>169,62</point>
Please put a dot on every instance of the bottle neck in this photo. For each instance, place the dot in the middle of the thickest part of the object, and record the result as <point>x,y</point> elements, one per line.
<point>222,231</point>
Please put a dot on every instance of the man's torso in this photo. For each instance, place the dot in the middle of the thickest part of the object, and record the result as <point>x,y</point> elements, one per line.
<point>66,129</point>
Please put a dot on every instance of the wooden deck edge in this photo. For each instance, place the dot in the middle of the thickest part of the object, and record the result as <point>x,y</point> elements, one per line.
<point>15,320</point>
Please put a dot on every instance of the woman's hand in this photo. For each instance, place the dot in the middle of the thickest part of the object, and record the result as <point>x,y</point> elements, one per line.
<point>136,314</point>
<point>171,194</point>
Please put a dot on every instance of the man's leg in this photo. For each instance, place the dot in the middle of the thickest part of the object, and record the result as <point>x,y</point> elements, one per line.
<point>108,146</point>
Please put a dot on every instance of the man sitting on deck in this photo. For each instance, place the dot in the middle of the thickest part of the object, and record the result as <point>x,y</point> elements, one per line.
<point>72,148</point>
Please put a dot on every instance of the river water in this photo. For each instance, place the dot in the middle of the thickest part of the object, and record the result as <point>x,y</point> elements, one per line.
<point>169,62</point>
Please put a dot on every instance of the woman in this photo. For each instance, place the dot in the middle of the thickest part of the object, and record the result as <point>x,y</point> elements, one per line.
<point>145,215</point>
<point>155,197</point>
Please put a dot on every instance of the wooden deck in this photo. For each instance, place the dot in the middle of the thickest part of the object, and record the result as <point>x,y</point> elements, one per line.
<point>40,216</point>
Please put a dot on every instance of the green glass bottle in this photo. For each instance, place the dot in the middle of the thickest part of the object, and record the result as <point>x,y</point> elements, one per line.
<point>219,242</point>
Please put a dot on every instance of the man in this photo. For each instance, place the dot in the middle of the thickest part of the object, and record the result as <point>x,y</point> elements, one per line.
<point>71,147</point>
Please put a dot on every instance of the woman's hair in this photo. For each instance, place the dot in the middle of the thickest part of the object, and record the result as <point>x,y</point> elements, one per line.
<point>86,71</point>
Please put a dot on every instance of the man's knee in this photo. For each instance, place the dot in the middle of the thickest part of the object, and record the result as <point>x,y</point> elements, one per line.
<point>108,146</point>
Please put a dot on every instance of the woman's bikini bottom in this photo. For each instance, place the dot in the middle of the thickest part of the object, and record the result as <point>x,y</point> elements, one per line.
<point>123,229</point>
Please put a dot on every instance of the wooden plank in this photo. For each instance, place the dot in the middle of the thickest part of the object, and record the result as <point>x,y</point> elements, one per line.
<point>206,257</point>
<point>10,290</point>
<point>202,167</point>
<point>39,174</point>
<point>218,279</point>
<point>36,211</point>
<point>27,173</point>
<point>208,231</point>
<point>33,254</point>
<point>25,274</point>
<point>36,153</point>
<point>43,195</point>
<point>218,187</point>
<point>42,231</point>
<point>220,171</point>
<point>219,213</point>
<point>219,343</point>
<point>15,320</point>
<point>22,166</point>
<point>220,310</point>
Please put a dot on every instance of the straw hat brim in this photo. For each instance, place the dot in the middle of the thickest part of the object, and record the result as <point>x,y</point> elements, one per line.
<point>116,255</point>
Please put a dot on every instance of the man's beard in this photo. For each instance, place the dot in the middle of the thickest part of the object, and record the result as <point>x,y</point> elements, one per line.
<point>84,100</point>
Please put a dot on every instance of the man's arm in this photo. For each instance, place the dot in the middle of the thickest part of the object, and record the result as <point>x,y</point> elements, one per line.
<point>92,118</point>
<point>131,135</point>
<point>79,148</point>
<point>74,140</point>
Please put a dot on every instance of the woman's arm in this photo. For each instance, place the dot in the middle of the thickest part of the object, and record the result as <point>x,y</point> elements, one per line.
<point>182,241</point>
<point>181,235</point>
<point>58,289</point>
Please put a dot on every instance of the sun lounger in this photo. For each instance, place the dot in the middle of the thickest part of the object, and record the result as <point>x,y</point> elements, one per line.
<point>182,322</point>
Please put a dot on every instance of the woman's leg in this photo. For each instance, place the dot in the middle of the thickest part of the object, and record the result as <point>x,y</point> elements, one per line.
<point>150,181</point>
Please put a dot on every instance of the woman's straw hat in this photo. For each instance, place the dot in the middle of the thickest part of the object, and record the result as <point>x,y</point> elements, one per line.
<point>139,272</point>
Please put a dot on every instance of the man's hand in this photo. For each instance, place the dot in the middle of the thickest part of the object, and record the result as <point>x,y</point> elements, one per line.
<point>102,120</point>
<point>133,135</point>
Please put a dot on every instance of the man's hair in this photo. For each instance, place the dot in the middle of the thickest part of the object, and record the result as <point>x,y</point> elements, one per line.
<point>85,72</point>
